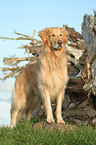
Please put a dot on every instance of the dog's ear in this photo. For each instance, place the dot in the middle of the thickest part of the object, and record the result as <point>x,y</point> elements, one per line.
<point>65,35</point>
<point>43,34</point>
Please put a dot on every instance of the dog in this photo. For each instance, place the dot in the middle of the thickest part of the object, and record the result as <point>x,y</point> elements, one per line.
<point>44,79</point>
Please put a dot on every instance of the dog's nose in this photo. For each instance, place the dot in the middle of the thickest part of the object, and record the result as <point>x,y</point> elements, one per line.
<point>59,42</point>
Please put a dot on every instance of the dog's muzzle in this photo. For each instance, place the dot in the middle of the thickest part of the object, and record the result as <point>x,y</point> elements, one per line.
<point>59,45</point>
<point>59,42</point>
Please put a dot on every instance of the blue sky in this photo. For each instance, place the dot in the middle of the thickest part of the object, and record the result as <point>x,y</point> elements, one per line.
<point>27,15</point>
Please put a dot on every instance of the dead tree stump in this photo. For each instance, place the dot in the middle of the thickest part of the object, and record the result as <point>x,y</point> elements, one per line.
<point>89,36</point>
<point>82,90</point>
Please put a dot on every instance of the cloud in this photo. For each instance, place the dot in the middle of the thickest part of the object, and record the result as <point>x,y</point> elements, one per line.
<point>5,101</point>
<point>5,113</point>
<point>7,85</point>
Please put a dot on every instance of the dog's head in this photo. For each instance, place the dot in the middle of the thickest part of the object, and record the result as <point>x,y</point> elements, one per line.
<point>54,37</point>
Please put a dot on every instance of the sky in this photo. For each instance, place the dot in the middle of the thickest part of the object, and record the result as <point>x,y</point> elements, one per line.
<point>26,15</point>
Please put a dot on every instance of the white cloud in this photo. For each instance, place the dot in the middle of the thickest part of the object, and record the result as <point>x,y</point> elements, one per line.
<point>7,85</point>
<point>5,113</point>
<point>6,88</point>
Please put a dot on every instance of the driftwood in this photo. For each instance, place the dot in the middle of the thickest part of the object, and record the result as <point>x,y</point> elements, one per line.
<point>75,38</point>
<point>89,35</point>
<point>82,89</point>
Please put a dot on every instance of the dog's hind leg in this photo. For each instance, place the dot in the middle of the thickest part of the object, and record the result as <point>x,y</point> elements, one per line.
<point>33,104</point>
<point>16,114</point>
<point>17,109</point>
<point>14,117</point>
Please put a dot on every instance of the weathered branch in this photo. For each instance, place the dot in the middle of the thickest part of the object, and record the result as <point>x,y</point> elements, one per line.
<point>89,35</point>
<point>26,37</point>
<point>14,61</point>
<point>73,35</point>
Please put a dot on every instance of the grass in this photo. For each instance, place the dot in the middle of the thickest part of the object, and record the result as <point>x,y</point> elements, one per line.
<point>24,134</point>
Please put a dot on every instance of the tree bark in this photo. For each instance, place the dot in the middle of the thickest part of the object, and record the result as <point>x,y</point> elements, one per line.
<point>82,90</point>
<point>89,36</point>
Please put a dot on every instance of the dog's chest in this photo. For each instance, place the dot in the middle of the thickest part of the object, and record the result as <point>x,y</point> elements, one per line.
<point>53,81</point>
<point>52,76</point>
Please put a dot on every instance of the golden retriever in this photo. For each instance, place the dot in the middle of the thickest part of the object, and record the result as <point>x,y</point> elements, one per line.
<point>44,79</point>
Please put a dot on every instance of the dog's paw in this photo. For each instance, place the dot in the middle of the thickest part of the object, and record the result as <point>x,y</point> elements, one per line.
<point>61,121</point>
<point>50,120</point>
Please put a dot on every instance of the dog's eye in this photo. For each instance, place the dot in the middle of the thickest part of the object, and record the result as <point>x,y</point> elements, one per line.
<point>52,35</point>
<point>60,34</point>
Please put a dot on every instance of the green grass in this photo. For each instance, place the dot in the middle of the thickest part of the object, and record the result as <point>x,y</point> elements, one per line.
<point>25,134</point>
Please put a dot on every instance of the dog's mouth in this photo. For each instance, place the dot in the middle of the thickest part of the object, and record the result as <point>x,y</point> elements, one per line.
<point>58,47</point>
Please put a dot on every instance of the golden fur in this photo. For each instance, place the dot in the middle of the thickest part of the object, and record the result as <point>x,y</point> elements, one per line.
<point>45,79</point>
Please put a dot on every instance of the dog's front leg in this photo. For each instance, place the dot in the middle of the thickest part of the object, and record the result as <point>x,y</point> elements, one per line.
<point>59,108</point>
<point>47,104</point>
